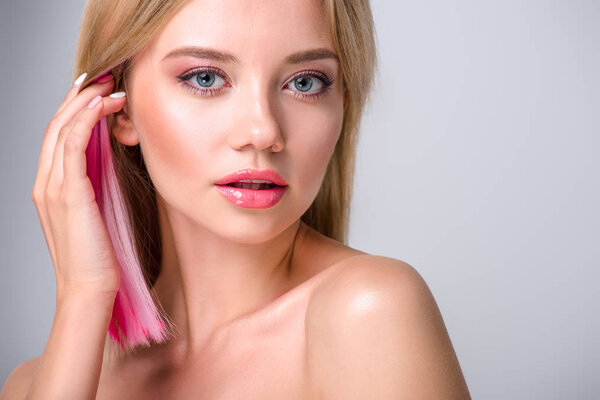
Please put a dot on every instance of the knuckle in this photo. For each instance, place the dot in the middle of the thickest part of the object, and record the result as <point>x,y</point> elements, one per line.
<point>72,143</point>
<point>81,124</point>
<point>36,195</point>
<point>62,133</point>
<point>53,125</point>
<point>65,129</point>
<point>52,194</point>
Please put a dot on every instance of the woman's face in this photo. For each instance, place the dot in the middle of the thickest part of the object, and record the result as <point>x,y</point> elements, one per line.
<point>199,118</point>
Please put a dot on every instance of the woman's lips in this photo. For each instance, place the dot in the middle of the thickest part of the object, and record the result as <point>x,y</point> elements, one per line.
<point>252,198</point>
<point>253,174</point>
<point>252,185</point>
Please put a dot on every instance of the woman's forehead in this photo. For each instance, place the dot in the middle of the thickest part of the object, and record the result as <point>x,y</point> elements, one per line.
<point>247,28</point>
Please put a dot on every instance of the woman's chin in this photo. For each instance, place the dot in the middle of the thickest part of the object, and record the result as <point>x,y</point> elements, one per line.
<point>253,229</point>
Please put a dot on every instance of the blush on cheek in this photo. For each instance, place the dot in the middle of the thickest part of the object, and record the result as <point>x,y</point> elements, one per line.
<point>169,139</point>
<point>313,143</point>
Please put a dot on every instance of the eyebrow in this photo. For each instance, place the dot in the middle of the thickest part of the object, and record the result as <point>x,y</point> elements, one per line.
<point>212,54</point>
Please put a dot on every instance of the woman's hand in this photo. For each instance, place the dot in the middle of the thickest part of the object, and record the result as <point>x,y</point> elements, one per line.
<point>81,251</point>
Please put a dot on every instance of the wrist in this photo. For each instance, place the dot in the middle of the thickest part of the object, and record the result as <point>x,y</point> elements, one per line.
<point>83,292</point>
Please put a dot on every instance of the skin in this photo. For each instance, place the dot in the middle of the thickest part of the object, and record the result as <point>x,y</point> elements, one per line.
<point>222,261</point>
<point>266,307</point>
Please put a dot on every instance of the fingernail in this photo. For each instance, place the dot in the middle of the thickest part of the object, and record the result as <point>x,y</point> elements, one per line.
<point>105,78</point>
<point>80,79</point>
<point>95,101</point>
<point>117,95</point>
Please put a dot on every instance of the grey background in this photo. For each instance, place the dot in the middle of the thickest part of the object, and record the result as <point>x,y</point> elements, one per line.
<point>477,165</point>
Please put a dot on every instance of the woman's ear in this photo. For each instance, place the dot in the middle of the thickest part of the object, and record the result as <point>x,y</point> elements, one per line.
<point>123,128</point>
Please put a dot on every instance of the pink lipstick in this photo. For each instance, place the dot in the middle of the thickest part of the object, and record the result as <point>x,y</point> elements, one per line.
<point>252,188</point>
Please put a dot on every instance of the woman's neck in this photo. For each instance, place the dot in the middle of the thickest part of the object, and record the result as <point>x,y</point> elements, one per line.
<point>207,282</point>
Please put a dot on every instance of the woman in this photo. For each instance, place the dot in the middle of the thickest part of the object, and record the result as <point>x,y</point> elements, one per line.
<point>258,296</point>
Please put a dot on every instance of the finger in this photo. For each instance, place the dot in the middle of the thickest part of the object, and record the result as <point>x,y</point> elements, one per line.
<point>56,174</point>
<point>47,151</point>
<point>36,191</point>
<point>59,121</point>
<point>81,99</point>
<point>72,92</point>
<point>74,145</point>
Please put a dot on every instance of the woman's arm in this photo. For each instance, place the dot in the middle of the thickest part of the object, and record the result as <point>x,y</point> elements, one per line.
<point>72,360</point>
<point>86,267</point>
<point>70,365</point>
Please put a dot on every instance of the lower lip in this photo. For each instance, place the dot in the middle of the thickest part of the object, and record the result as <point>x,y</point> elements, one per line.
<point>250,198</point>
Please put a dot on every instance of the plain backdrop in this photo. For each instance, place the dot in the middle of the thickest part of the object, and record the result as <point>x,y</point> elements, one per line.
<point>477,164</point>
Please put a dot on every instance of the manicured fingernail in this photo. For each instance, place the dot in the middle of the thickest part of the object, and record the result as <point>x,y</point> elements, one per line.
<point>95,101</point>
<point>105,78</point>
<point>117,95</point>
<point>80,79</point>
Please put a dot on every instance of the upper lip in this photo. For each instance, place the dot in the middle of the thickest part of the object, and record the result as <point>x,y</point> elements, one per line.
<point>251,173</point>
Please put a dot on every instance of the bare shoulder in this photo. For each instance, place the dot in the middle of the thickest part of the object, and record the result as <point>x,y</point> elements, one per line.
<point>17,383</point>
<point>374,330</point>
<point>377,277</point>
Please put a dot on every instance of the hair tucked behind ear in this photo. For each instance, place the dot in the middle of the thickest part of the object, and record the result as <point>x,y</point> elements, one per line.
<point>113,34</point>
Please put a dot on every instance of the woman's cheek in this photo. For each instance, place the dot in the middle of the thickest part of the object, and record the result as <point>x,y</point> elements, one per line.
<point>312,144</point>
<point>176,143</point>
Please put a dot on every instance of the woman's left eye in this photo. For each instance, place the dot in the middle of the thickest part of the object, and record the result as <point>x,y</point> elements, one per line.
<point>203,79</point>
<point>307,80</point>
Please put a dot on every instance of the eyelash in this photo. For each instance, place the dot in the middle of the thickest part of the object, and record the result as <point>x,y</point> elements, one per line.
<point>323,77</point>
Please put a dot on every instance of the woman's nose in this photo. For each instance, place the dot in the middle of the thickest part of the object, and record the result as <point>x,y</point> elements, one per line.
<point>257,121</point>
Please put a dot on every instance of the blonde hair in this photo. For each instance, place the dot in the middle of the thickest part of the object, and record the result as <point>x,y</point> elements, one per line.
<point>113,34</point>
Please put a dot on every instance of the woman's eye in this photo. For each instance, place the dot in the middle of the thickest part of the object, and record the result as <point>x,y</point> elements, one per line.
<point>310,85</point>
<point>206,79</point>
<point>305,83</point>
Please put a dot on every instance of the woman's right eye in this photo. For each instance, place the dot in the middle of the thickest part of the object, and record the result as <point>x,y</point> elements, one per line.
<point>201,80</point>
